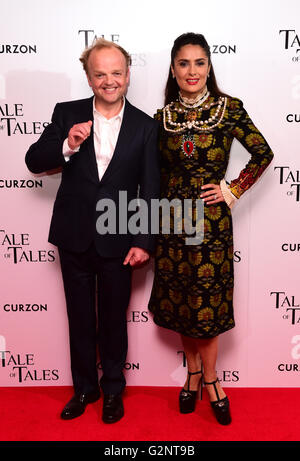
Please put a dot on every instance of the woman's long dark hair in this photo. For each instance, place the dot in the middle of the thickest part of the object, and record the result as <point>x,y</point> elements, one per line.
<point>172,88</point>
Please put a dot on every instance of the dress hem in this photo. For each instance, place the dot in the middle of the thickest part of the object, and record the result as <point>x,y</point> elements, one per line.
<point>204,336</point>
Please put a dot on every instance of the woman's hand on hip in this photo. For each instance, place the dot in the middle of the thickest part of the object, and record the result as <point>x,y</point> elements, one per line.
<point>212,194</point>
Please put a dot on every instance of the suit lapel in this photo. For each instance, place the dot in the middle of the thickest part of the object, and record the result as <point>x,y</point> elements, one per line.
<point>126,133</point>
<point>85,114</point>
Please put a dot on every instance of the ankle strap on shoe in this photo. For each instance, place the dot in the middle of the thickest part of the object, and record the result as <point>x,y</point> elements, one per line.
<point>191,373</point>
<point>213,382</point>
<point>215,387</point>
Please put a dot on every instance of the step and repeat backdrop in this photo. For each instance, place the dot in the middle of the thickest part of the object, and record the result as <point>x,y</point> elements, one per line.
<point>256,54</point>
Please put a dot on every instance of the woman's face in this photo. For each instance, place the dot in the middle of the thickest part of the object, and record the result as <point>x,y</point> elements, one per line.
<point>190,69</point>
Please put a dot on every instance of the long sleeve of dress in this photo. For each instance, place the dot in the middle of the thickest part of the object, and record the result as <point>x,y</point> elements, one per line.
<point>250,137</point>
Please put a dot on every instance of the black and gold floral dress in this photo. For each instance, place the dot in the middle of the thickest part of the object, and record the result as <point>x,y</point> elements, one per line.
<point>193,284</point>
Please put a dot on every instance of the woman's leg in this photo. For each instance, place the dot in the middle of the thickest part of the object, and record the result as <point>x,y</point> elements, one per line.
<point>208,349</point>
<point>191,350</point>
<point>205,351</point>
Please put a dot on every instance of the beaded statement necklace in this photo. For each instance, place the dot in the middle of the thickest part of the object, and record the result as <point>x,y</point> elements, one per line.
<point>191,103</point>
<point>192,110</point>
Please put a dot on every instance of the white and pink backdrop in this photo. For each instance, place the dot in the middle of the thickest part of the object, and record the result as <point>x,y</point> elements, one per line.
<point>256,54</point>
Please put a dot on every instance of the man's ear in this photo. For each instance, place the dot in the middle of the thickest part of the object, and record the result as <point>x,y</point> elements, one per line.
<point>88,79</point>
<point>128,75</point>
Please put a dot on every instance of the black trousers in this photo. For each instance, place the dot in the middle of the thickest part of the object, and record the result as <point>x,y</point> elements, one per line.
<point>97,294</point>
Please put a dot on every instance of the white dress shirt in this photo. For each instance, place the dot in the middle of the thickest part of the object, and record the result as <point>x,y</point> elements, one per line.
<point>106,132</point>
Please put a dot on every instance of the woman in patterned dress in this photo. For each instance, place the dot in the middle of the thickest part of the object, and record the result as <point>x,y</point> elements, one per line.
<point>193,284</point>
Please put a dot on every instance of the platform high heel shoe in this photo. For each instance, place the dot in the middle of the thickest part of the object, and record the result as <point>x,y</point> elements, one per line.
<point>187,398</point>
<point>220,407</point>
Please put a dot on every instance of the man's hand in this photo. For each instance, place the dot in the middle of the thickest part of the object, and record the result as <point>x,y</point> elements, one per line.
<point>79,133</point>
<point>136,256</point>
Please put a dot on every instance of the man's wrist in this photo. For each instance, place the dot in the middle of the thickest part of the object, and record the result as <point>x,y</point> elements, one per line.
<point>67,150</point>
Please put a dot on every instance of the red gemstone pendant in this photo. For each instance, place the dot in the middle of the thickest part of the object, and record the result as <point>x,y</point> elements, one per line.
<point>188,145</point>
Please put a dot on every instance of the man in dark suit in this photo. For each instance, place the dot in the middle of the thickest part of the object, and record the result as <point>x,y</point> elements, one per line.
<point>104,145</point>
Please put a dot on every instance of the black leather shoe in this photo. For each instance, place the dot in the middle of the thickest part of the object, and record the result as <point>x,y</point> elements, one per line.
<point>188,398</point>
<point>76,406</point>
<point>220,407</point>
<point>113,409</point>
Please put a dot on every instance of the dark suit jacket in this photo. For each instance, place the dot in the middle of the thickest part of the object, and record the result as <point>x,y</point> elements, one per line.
<point>134,166</point>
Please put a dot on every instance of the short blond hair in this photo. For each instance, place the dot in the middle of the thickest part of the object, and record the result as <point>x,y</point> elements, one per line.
<point>99,44</point>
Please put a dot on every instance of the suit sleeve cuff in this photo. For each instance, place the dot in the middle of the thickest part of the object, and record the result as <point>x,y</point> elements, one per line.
<point>229,198</point>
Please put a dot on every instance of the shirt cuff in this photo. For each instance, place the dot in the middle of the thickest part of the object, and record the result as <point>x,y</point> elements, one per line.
<point>67,152</point>
<point>229,198</point>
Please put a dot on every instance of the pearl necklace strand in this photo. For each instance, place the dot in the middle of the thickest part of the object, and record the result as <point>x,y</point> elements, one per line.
<point>204,124</point>
<point>192,103</point>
